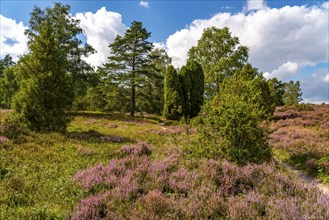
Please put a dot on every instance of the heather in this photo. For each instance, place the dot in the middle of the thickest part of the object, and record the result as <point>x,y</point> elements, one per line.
<point>109,165</point>
<point>138,187</point>
<point>300,136</point>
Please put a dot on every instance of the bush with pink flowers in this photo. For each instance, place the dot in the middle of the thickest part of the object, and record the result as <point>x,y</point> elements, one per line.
<point>137,187</point>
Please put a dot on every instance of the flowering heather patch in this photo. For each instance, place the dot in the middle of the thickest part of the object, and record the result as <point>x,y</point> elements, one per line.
<point>305,138</point>
<point>136,187</point>
<point>283,115</point>
<point>92,207</point>
<point>140,148</point>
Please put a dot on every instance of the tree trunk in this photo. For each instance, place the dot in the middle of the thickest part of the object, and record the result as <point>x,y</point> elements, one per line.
<point>132,111</point>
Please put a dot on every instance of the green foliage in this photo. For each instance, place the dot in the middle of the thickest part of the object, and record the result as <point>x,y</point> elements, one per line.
<point>129,59</point>
<point>220,55</point>
<point>47,90</point>
<point>252,88</point>
<point>230,123</point>
<point>192,84</point>
<point>8,81</point>
<point>14,126</point>
<point>231,130</point>
<point>277,88</point>
<point>173,100</point>
<point>292,94</point>
<point>5,63</point>
<point>8,86</point>
<point>152,92</point>
<point>43,103</point>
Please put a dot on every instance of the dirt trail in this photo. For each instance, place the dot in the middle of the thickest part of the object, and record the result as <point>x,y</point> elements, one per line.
<point>304,177</point>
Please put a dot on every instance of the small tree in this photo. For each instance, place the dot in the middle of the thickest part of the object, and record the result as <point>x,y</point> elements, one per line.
<point>8,86</point>
<point>192,84</point>
<point>173,101</point>
<point>277,88</point>
<point>292,94</point>
<point>46,91</point>
<point>252,88</point>
<point>230,126</point>
<point>231,130</point>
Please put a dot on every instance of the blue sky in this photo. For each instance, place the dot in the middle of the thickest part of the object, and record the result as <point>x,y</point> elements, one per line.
<point>287,39</point>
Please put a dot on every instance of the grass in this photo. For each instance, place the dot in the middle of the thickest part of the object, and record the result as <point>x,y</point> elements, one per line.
<point>38,173</point>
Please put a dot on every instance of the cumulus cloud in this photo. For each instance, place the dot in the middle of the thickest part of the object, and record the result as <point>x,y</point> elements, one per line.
<point>256,5</point>
<point>13,40</point>
<point>275,37</point>
<point>144,4</point>
<point>284,71</point>
<point>160,45</point>
<point>101,28</point>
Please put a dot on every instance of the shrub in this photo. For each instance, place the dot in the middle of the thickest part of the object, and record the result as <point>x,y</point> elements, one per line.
<point>229,129</point>
<point>14,126</point>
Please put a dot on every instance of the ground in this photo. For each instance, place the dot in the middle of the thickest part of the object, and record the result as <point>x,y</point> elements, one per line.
<point>48,176</point>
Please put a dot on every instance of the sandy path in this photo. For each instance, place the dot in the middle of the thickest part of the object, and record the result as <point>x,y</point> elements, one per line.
<point>305,178</point>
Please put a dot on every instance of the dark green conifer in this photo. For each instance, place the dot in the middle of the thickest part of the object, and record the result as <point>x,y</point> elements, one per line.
<point>46,91</point>
<point>173,102</point>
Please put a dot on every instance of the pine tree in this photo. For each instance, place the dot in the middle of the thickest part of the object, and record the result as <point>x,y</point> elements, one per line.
<point>46,91</point>
<point>129,58</point>
<point>173,100</point>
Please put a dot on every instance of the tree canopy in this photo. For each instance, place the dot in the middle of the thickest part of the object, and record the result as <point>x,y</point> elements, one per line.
<point>128,59</point>
<point>192,84</point>
<point>292,94</point>
<point>49,68</point>
<point>220,54</point>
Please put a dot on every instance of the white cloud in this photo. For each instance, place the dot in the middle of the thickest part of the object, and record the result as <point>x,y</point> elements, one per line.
<point>326,78</point>
<point>256,5</point>
<point>284,71</point>
<point>13,39</point>
<point>160,45</point>
<point>297,34</point>
<point>100,29</point>
<point>144,4</point>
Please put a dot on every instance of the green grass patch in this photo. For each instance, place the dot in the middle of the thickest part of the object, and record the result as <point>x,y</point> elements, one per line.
<point>36,172</point>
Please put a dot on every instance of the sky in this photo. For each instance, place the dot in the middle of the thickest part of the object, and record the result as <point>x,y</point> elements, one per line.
<point>288,40</point>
